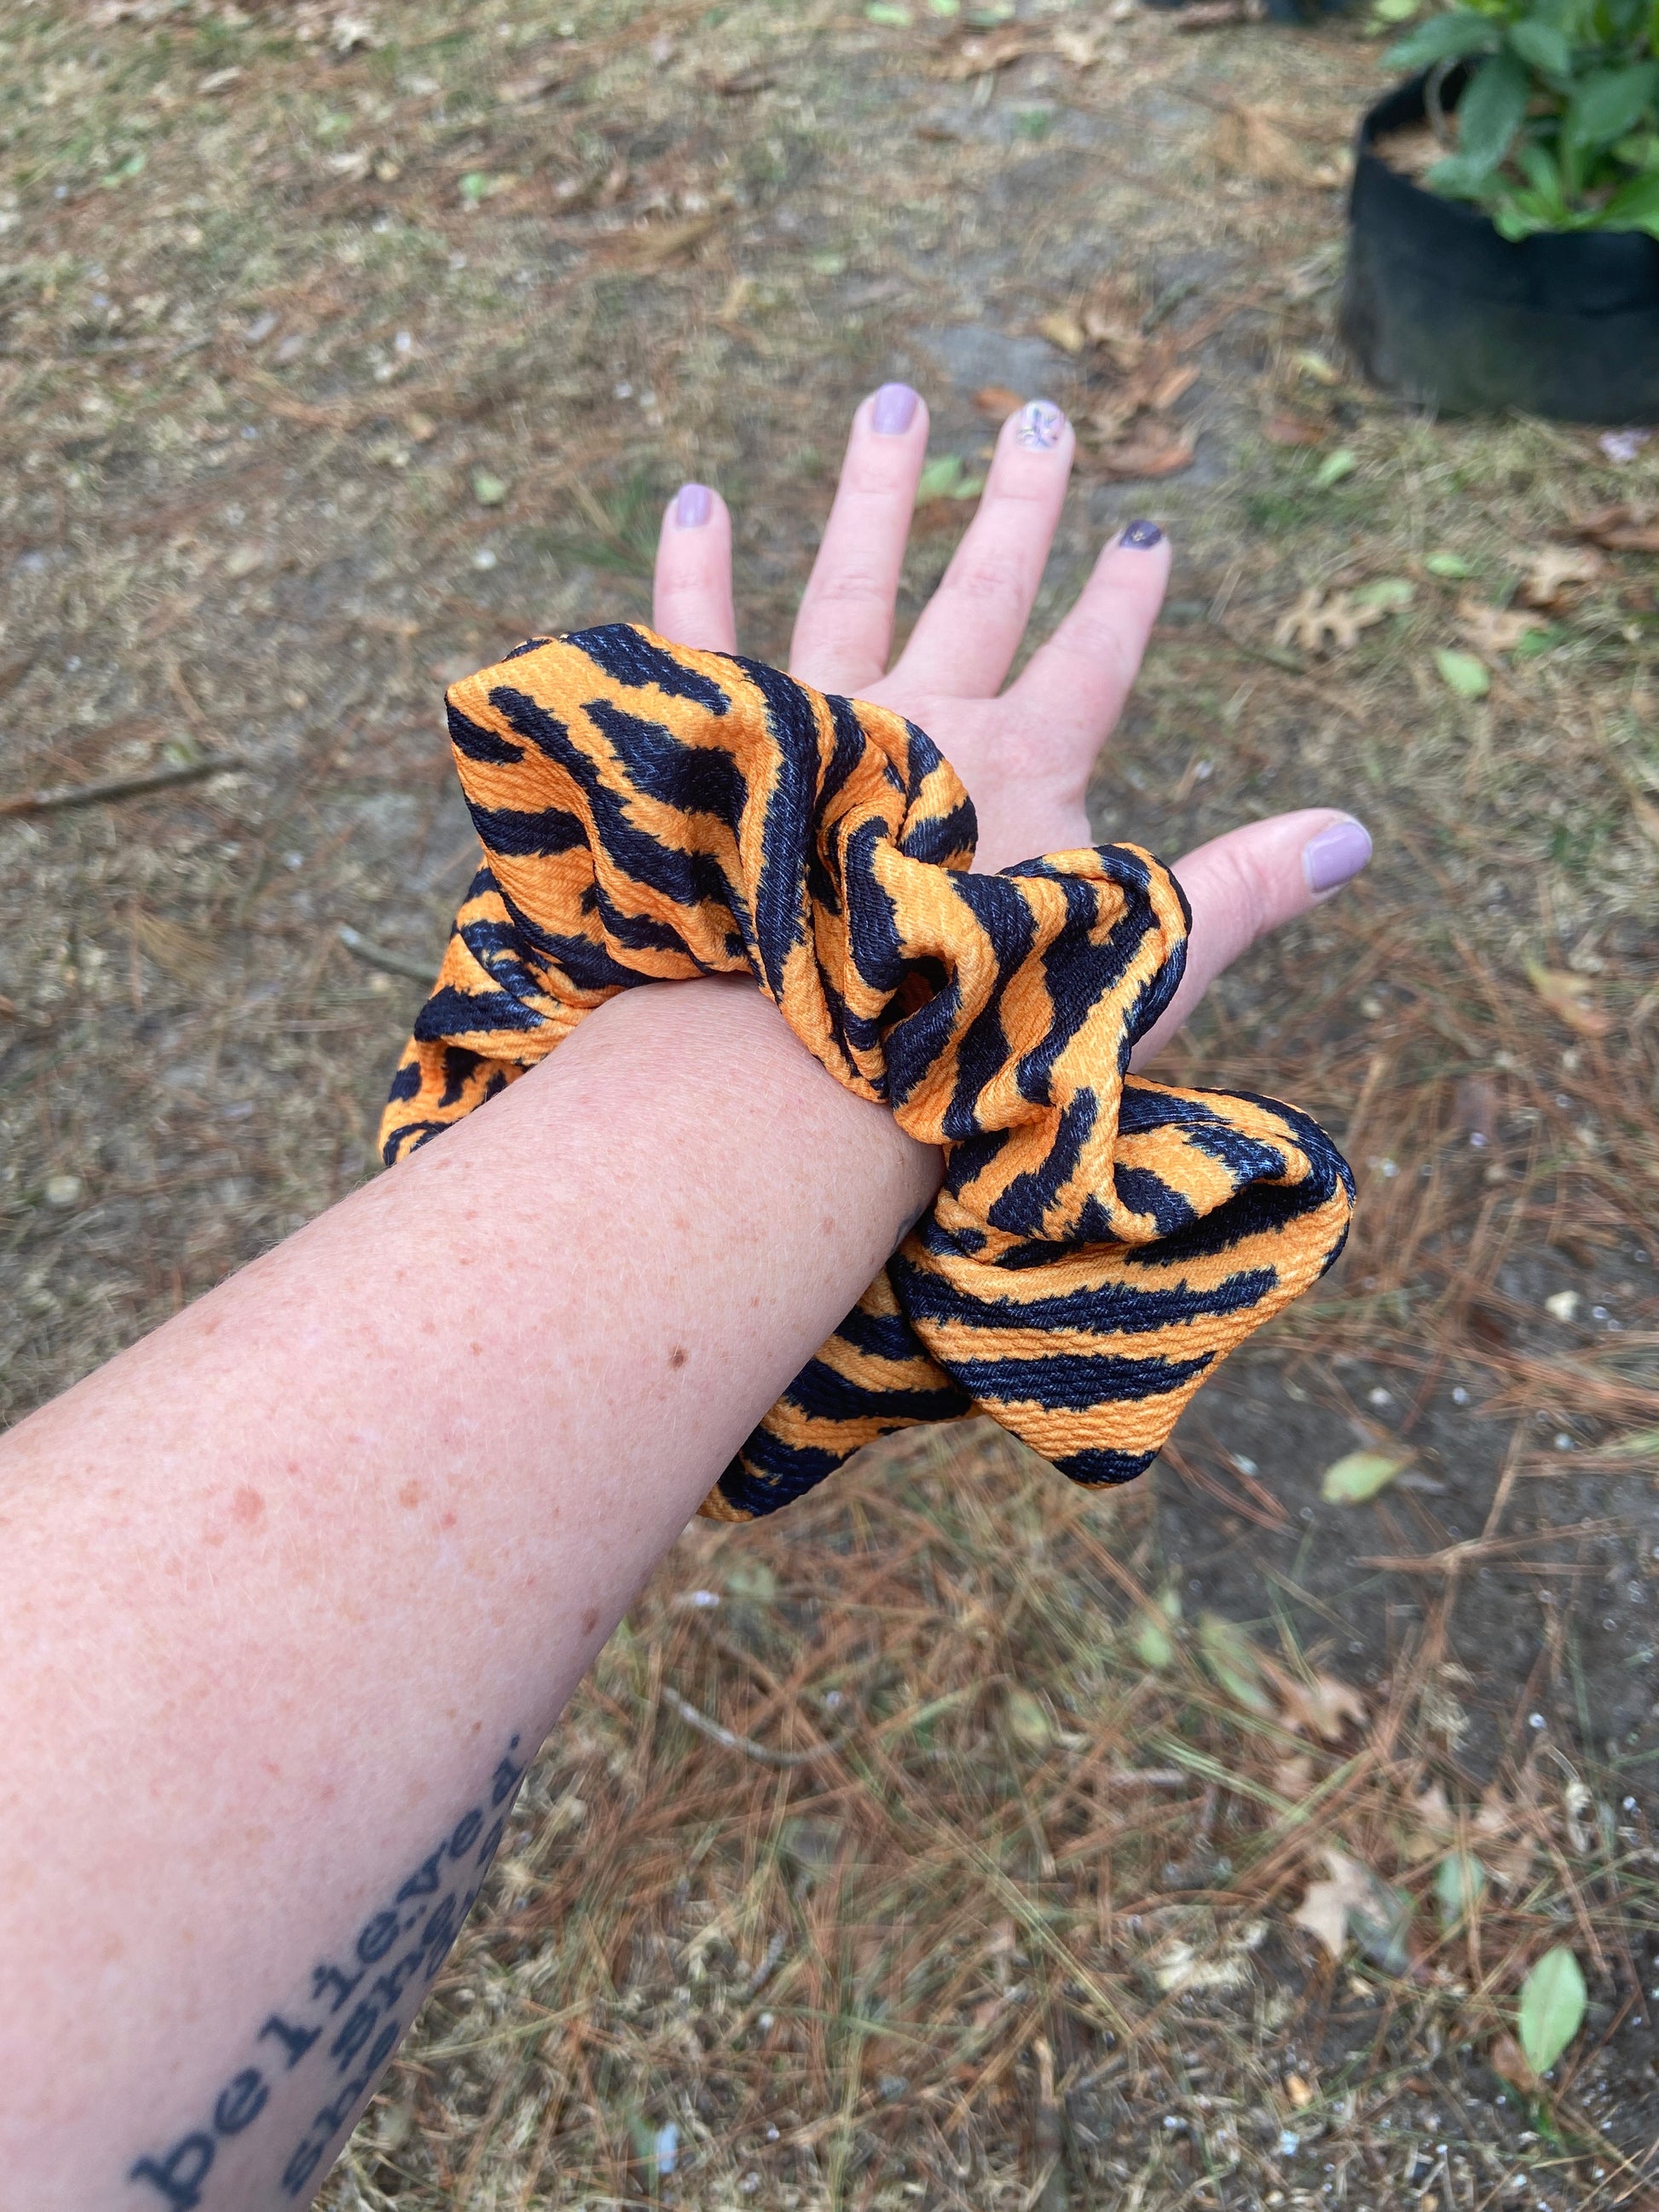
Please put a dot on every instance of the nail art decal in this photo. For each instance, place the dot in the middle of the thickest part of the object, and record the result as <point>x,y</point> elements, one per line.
<point>1141,537</point>
<point>1041,426</point>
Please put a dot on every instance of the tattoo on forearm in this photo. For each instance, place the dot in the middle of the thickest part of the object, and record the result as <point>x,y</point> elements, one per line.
<point>349,2023</point>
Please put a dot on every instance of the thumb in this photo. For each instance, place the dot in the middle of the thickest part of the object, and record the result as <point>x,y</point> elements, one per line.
<point>1250,881</point>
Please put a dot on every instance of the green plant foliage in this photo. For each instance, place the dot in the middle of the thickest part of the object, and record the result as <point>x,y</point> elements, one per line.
<point>1553,2001</point>
<point>1557,126</point>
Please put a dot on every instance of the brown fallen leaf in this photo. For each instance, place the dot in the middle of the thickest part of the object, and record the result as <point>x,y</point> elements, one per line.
<point>1292,430</point>
<point>1154,449</point>
<point>1436,1823</point>
<point>1558,576</point>
<point>1570,998</point>
<point>984,56</point>
<point>1063,329</point>
<point>525,91</point>
<point>1325,1704</point>
<point>1081,47</point>
<point>1357,1902</point>
<point>642,252</point>
<point>997,399</point>
<point>1492,629</point>
<point>1250,144</point>
<point>1173,386</point>
<point>1319,615</point>
<point>741,82</point>
<point>1623,528</point>
<point>1475,1108</point>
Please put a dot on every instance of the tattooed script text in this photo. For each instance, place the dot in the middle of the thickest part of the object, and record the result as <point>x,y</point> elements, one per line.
<point>349,2025</point>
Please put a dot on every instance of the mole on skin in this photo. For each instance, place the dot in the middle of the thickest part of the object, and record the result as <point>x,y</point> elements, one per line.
<point>679,1356</point>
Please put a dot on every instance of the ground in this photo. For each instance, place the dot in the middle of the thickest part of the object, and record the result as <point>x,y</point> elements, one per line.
<point>341,347</point>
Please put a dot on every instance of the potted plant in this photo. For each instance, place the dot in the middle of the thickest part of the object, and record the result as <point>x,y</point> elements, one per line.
<point>1517,265</point>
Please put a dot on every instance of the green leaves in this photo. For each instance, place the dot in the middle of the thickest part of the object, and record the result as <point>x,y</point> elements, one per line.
<point>1553,2001</point>
<point>1360,1475</point>
<point>1450,37</point>
<point>1605,107</point>
<point>1558,118</point>
<point>1490,111</point>
<point>1462,673</point>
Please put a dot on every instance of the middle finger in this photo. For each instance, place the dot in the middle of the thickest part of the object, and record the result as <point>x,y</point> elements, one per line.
<point>971,629</point>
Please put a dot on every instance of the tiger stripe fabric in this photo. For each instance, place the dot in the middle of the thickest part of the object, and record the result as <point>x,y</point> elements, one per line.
<point>1100,1241</point>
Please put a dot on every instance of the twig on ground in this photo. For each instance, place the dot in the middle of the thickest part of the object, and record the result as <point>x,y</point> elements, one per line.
<point>378,956</point>
<point>121,787</point>
<point>694,1717</point>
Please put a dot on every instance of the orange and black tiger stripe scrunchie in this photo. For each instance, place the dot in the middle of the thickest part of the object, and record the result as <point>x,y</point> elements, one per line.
<point>1100,1242</point>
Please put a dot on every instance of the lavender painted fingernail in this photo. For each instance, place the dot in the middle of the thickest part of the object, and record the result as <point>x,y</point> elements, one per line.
<point>694,506</point>
<point>1041,426</point>
<point>1140,535</point>
<point>1336,855</point>
<point>894,411</point>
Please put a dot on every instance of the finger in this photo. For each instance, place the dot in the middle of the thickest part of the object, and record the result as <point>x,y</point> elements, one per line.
<point>844,630</point>
<point>1250,881</point>
<point>971,629</point>
<point>691,589</point>
<point>1076,684</point>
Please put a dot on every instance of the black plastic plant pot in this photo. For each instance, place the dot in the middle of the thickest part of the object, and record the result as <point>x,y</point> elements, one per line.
<point>1440,307</point>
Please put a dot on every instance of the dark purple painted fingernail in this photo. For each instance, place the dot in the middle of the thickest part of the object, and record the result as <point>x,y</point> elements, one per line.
<point>894,411</point>
<point>1336,855</point>
<point>1140,535</point>
<point>694,506</point>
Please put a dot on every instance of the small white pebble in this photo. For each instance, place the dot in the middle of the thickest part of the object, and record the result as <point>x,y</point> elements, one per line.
<point>62,1190</point>
<point>1536,1721</point>
<point>1562,1306</point>
<point>1460,1396</point>
<point>667,2147</point>
<point>1244,1466</point>
<point>1563,1441</point>
<point>1379,1396</point>
<point>485,557</point>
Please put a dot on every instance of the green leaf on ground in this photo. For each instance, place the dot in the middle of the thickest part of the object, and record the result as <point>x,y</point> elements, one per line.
<point>1553,2001</point>
<point>1462,673</point>
<point>945,476</point>
<point>1228,1655</point>
<point>1028,1721</point>
<point>888,12</point>
<point>488,490</point>
<point>1450,565</point>
<point>1334,466</point>
<point>1360,1475</point>
<point>1391,593</point>
<point>1459,1881</point>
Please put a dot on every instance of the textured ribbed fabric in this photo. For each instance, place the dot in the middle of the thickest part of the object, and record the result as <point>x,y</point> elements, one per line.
<point>1100,1241</point>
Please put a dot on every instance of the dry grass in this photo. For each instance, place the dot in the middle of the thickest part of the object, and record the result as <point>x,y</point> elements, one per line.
<point>1013,1930</point>
<point>943,1955</point>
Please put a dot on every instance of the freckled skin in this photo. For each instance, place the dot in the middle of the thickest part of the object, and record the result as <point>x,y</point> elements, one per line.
<point>268,1742</point>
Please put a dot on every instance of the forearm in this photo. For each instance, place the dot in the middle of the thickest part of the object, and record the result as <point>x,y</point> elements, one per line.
<point>290,1592</point>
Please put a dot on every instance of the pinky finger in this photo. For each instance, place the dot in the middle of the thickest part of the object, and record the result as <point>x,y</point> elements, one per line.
<point>691,590</point>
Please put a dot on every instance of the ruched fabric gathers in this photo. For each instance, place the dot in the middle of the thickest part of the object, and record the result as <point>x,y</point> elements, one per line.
<point>1100,1242</point>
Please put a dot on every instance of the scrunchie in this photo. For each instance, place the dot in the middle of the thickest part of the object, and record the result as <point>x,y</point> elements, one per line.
<point>1100,1242</point>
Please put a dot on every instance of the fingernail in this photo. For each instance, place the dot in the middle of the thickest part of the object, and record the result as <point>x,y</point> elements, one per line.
<point>1041,426</point>
<point>1141,535</point>
<point>694,506</point>
<point>894,411</point>
<point>1336,855</point>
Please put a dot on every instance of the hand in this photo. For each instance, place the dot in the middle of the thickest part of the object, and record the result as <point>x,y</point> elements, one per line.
<point>1024,754</point>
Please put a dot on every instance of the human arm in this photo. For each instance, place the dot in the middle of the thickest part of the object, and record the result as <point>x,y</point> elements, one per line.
<point>276,1689</point>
